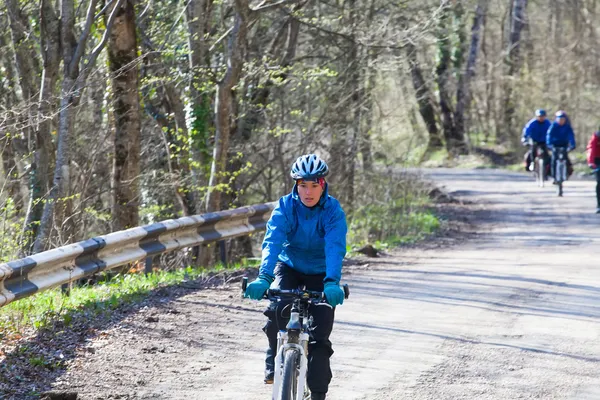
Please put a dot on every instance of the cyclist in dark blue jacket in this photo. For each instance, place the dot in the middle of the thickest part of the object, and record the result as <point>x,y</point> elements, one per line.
<point>305,244</point>
<point>534,134</point>
<point>560,134</point>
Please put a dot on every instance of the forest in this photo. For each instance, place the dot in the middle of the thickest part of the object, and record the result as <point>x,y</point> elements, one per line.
<point>119,113</point>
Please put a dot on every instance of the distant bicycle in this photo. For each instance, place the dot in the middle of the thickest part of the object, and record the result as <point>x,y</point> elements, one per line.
<point>538,166</point>
<point>560,169</point>
<point>291,362</point>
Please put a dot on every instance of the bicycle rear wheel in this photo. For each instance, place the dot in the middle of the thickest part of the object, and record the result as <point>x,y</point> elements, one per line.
<point>289,381</point>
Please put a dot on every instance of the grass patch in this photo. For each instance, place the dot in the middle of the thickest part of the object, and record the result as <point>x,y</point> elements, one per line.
<point>45,308</point>
<point>418,226</point>
<point>396,211</point>
<point>516,167</point>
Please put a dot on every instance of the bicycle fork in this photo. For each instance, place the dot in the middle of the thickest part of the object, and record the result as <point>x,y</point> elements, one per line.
<point>282,347</point>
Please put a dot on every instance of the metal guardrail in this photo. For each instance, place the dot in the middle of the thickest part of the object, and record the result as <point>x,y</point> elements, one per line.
<point>42,271</point>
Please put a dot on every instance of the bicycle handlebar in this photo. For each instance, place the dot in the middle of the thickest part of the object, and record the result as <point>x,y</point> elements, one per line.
<point>275,294</point>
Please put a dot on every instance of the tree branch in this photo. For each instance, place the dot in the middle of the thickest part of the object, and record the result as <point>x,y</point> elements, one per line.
<point>91,59</point>
<point>269,6</point>
<point>82,38</point>
<point>101,13</point>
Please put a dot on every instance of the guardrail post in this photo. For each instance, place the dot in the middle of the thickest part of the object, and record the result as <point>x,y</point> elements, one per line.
<point>223,253</point>
<point>65,289</point>
<point>148,266</point>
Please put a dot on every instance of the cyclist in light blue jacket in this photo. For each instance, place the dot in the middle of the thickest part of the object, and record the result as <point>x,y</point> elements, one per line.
<point>305,244</point>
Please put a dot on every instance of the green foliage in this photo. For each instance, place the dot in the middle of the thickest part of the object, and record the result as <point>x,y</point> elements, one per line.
<point>393,211</point>
<point>11,228</point>
<point>199,121</point>
<point>151,213</point>
<point>459,37</point>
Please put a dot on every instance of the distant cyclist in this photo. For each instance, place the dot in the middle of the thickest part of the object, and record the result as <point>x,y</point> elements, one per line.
<point>560,134</point>
<point>593,159</point>
<point>305,244</point>
<point>535,131</point>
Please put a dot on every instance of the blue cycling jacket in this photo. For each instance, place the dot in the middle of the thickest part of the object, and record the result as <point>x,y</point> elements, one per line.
<point>536,130</point>
<point>309,240</point>
<point>560,136</point>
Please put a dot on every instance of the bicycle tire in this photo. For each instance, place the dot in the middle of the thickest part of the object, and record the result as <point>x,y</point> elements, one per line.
<point>289,380</point>
<point>560,189</point>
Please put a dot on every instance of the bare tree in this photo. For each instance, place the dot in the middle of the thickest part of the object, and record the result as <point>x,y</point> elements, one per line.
<point>424,100</point>
<point>122,56</point>
<point>73,82</point>
<point>236,51</point>
<point>513,62</point>
<point>198,17</point>
<point>463,93</point>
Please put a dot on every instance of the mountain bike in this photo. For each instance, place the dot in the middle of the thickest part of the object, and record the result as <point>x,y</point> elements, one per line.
<point>291,361</point>
<point>560,168</point>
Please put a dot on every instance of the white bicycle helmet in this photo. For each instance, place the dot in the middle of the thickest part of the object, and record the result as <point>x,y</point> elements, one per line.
<point>309,166</point>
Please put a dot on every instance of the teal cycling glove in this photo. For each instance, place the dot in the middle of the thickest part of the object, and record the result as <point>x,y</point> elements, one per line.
<point>333,293</point>
<point>257,288</point>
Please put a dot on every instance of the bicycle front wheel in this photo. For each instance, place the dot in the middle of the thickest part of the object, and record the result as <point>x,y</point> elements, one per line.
<point>289,381</point>
<point>541,172</point>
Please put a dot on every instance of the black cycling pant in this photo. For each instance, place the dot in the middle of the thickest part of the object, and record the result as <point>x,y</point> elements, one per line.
<point>319,347</point>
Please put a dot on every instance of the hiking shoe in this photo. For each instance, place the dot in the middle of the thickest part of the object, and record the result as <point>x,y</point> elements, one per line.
<point>269,378</point>
<point>598,210</point>
<point>317,396</point>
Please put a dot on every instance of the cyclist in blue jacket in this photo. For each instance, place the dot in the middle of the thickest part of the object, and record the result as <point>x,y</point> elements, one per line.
<point>534,134</point>
<point>560,134</point>
<point>305,244</point>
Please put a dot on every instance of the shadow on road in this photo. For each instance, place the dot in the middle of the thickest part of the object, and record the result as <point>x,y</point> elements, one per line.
<point>470,341</point>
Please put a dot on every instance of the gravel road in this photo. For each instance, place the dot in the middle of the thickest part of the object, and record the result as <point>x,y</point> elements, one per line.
<point>511,313</point>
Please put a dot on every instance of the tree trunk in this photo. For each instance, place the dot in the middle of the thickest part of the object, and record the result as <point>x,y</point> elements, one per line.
<point>25,59</point>
<point>463,93</point>
<point>61,182</point>
<point>424,100</point>
<point>72,86</point>
<point>44,155</point>
<point>8,155</point>
<point>513,62</point>
<point>198,16</point>
<point>443,74</point>
<point>236,51</point>
<point>122,53</point>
